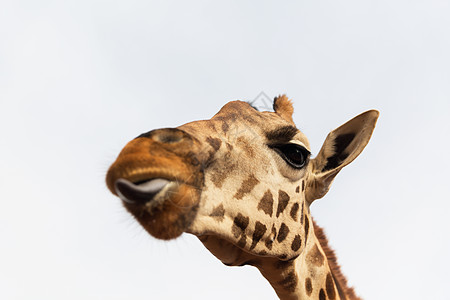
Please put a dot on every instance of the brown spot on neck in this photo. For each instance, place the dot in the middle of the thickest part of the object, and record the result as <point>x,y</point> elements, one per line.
<point>283,200</point>
<point>329,287</point>
<point>289,282</point>
<point>266,203</point>
<point>240,223</point>
<point>242,143</point>
<point>306,227</point>
<point>246,187</point>
<point>294,211</point>
<point>302,212</point>
<point>260,229</point>
<point>214,142</point>
<point>218,212</point>
<point>220,173</point>
<point>284,264</point>
<point>282,233</point>
<point>322,295</point>
<point>273,235</point>
<point>308,286</point>
<point>296,243</point>
<point>242,241</point>
<point>225,127</point>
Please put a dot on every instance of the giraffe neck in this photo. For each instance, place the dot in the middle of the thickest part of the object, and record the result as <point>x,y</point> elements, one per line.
<point>307,277</point>
<point>314,274</point>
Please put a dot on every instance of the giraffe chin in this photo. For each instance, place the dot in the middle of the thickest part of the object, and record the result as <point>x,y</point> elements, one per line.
<point>169,213</point>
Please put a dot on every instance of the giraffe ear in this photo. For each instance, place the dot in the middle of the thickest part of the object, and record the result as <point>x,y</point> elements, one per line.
<point>284,108</point>
<point>340,148</point>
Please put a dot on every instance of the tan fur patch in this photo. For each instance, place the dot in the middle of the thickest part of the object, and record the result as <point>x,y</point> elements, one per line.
<point>315,257</point>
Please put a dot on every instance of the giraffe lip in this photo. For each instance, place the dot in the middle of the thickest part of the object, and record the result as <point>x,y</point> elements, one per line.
<point>140,193</point>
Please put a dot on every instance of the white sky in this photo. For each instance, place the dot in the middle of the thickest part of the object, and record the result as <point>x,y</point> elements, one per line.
<point>79,79</point>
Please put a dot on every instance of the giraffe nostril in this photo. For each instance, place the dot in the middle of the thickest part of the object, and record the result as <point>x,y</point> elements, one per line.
<point>168,135</point>
<point>165,135</point>
<point>139,193</point>
<point>169,138</point>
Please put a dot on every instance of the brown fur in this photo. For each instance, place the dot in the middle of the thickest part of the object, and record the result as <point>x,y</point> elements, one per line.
<point>339,278</point>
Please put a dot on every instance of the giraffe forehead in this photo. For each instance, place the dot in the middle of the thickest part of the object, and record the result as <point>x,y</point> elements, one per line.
<point>263,122</point>
<point>240,119</point>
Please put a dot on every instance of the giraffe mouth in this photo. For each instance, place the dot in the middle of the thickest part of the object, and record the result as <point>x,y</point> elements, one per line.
<point>149,192</point>
<point>165,208</point>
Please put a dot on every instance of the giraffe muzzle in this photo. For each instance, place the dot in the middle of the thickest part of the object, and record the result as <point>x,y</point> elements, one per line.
<point>142,193</point>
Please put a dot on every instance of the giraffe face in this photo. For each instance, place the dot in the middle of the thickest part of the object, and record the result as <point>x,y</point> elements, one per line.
<point>254,180</point>
<point>243,176</point>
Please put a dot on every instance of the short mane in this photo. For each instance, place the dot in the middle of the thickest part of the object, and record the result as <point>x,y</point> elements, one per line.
<point>339,278</point>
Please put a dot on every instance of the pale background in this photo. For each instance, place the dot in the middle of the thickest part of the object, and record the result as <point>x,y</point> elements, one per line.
<point>78,79</point>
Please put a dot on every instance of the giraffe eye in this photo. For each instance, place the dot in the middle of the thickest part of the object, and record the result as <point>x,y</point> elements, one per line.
<point>295,155</point>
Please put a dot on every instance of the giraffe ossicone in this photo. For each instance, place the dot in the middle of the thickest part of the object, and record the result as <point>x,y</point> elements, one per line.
<point>242,182</point>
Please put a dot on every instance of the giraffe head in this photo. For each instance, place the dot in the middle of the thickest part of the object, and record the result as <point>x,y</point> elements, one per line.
<point>244,178</point>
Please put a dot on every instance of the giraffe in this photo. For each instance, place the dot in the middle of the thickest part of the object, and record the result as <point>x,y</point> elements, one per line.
<point>243,182</point>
